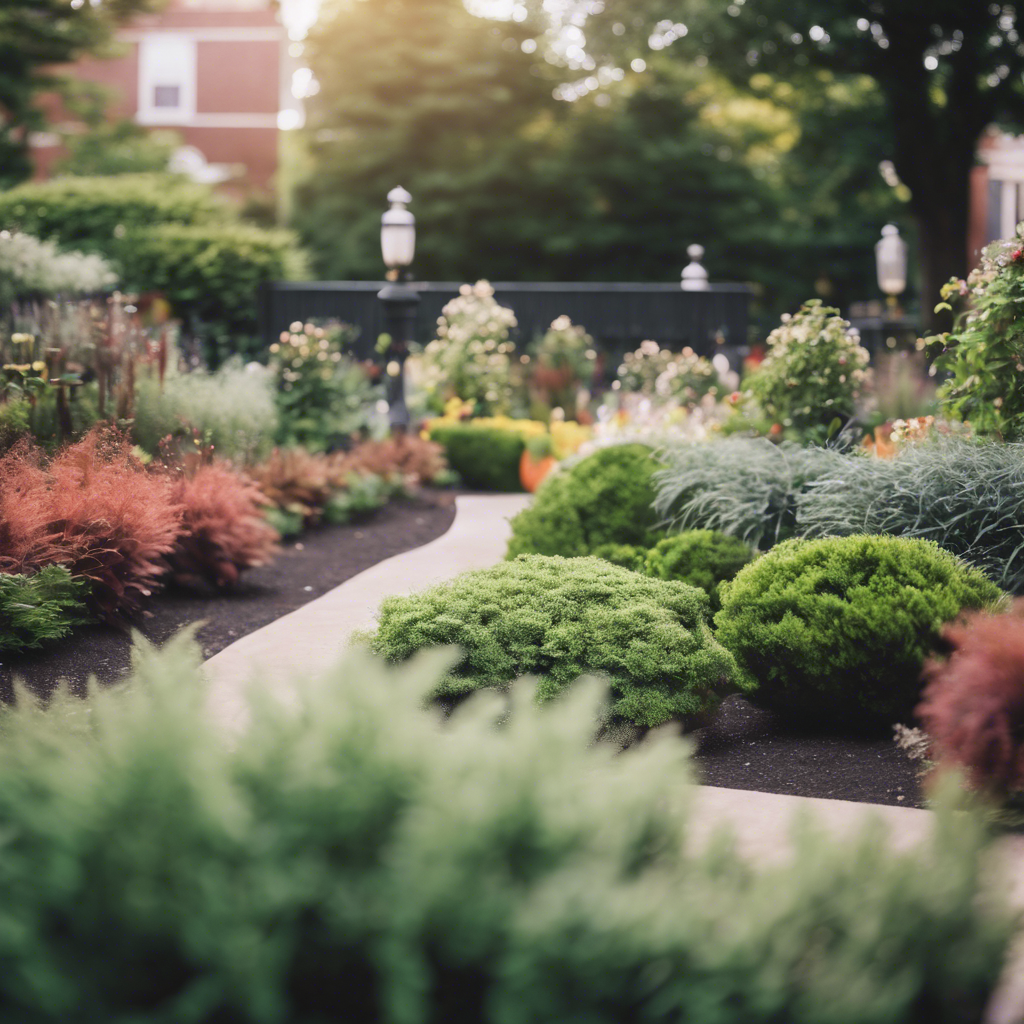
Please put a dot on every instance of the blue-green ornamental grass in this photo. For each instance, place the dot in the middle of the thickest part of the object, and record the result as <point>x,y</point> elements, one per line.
<point>561,618</point>
<point>833,632</point>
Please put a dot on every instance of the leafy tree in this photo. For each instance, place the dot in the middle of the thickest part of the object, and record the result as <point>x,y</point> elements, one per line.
<point>35,37</point>
<point>423,94</point>
<point>942,70</point>
<point>120,147</point>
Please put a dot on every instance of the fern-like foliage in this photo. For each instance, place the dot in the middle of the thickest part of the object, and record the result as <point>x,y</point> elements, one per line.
<point>38,608</point>
<point>741,486</point>
<point>964,495</point>
<point>345,858</point>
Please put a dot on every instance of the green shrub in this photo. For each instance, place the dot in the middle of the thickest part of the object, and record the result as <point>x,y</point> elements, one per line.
<point>814,374</point>
<point>90,213</point>
<point>208,271</point>
<point>44,606</point>
<point>964,495</point>
<point>701,558</point>
<point>629,556</point>
<point>746,487</point>
<point>605,498</point>
<point>485,459</point>
<point>982,357</point>
<point>560,618</point>
<point>323,395</point>
<point>365,493</point>
<point>232,408</point>
<point>343,858</point>
<point>834,631</point>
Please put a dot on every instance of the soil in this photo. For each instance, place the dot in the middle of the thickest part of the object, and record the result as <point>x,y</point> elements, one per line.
<point>307,567</point>
<point>744,747</point>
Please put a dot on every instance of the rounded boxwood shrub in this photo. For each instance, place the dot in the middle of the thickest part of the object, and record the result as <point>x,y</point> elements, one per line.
<point>604,499</point>
<point>486,459</point>
<point>834,631</point>
<point>629,556</point>
<point>560,618</point>
<point>702,558</point>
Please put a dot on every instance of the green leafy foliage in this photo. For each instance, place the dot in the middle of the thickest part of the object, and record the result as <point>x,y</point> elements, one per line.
<point>364,493</point>
<point>964,495</point>
<point>701,558</point>
<point>44,606</point>
<point>984,355</point>
<point>89,213</point>
<point>343,858</point>
<point>118,147</point>
<point>629,556</point>
<point>323,395</point>
<point>485,458</point>
<point>834,631</point>
<point>232,409</point>
<point>209,271</point>
<point>605,498</point>
<point>561,618</point>
<point>814,373</point>
<point>657,372</point>
<point>746,487</point>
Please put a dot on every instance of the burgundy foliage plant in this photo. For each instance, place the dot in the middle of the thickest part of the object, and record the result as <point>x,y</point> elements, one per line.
<point>93,509</point>
<point>973,705</point>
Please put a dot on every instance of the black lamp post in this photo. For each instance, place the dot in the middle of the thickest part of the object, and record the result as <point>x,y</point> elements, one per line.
<point>399,301</point>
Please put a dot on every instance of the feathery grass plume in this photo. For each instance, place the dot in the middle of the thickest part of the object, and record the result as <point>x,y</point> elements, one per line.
<point>605,498</point>
<point>561,618</point>
<point>223,529</point>
<point>35,609</point>
<point>299,482</point>
<point>833,632</point>
<point>745,487</point>
<point>964,495</point>
<point>348,858</point>
<point>973,705</point>
<point>93,509</point>
<point>232,408</point>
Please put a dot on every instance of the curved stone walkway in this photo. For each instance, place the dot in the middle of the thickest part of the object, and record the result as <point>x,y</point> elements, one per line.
<point>314,636</point>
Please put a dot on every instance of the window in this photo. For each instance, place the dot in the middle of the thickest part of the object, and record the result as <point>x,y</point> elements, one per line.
<point>167,79</point>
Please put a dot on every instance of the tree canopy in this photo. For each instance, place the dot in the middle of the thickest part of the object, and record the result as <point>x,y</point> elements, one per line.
<point>36,36</point>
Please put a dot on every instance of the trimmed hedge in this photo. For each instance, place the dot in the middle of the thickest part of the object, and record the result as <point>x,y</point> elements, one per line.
<point>701,558</point>
<point>834,631</point>
<point>605,498</point>
<point>344,858</point>
<point>560,618</point>
<point>485,459</point>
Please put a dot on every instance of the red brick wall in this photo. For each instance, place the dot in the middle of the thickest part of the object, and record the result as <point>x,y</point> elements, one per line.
<point>237,77</point>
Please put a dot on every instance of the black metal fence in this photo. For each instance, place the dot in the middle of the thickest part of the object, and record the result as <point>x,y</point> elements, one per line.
<point>619,316</point>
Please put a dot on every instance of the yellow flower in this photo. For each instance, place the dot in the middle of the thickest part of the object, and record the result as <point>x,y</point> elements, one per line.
<point>39,366</point>
<point>19,367</point>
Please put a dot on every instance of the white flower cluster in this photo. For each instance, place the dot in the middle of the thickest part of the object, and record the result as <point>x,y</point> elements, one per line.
<point>654,371</point>
<point>28,264</point>
<point>471,357</point>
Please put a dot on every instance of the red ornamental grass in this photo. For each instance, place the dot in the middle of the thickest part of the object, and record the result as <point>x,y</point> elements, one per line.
<point>223,529</point>
<point>93,509</point>
<point>973,705</point>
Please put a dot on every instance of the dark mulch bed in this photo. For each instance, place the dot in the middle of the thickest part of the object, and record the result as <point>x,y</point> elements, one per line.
<point>744,747</point>
<point>306,568</point>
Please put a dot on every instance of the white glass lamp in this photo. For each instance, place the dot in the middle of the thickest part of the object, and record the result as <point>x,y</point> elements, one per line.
<point>891,262</point>
<point>398,231</point>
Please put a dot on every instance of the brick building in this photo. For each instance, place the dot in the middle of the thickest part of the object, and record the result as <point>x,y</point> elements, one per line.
<point>217,72</point>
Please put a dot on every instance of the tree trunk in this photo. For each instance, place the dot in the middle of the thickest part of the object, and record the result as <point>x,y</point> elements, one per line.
<point>942,224</point>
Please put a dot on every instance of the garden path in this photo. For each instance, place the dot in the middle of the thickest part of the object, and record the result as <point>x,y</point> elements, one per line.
<point>311,638</point>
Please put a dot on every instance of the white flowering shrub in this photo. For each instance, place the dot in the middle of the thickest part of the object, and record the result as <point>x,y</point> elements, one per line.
<point>814,374</point>
<point>658,373</point>
<point>471,357</point>
<point>28,264</point>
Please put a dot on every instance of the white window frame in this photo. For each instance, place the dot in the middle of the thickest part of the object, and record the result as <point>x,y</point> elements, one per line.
<point>167,58</point>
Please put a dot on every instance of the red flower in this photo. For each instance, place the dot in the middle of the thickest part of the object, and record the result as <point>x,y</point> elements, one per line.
<point>1017,256</point>
<point>775,429</point>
